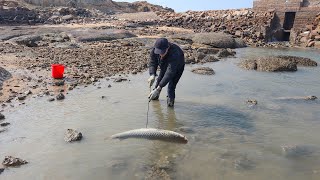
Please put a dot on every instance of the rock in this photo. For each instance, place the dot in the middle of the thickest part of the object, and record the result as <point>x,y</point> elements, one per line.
<point>297,151</point>
<point>216,40</point>
<point>72,135</point>
<point>22,97</point>
<point>90,35</point>
<point>210,58</point>
<point>1,170</point>
<point>206,50</point>
<point>190,60</point>
<point>4,75</point>
<point>51,99</point>
<point>59,83</point>
<point>311,44</point>
<point>109,86</point>
<point>275,65</point>
<point>200,56</point>
<point>252,102</point>
<point>28,92</point>
<point>4,124</point>
<point>120,79</point>
<point>203,71</point>
<point>301,61</point>
<point>270,64</point>
<point>240,43</point>
<point>2,117</point>
<point>67,17</point>
<point>27,40</point>
<point>249,64</point>
<point>225,53</point>
<point>12,161</point>
<point>60,96</point>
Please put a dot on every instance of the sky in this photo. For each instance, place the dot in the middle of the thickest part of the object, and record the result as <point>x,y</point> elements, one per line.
<point>198,5</point>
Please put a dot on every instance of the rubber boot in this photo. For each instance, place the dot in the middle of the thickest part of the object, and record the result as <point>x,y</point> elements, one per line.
<point>170,102</point>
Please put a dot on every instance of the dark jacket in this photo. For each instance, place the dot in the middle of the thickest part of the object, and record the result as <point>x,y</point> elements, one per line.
<point>170,65</point>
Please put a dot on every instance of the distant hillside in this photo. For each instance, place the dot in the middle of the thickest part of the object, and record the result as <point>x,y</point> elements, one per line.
<point>107,6</point>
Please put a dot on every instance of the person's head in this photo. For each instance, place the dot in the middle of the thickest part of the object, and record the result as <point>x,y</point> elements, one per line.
<point>161,46</point>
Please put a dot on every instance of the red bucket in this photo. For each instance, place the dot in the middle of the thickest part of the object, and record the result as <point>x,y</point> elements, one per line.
<point>57,71</point>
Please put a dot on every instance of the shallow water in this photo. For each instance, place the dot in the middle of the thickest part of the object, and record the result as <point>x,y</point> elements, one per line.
<point>229,139</point>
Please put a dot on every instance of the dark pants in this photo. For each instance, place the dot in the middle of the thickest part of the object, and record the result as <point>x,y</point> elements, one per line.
<point>173,83</point>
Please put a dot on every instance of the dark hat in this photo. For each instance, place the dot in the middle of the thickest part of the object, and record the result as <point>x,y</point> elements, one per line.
<point>161,46</point>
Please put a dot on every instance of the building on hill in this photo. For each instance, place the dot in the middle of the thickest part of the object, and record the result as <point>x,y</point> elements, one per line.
<point>291,16</point>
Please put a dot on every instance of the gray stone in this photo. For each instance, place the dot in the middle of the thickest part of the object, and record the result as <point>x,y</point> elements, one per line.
<point>208,50</point>
<point>225,53</point>
<point>301,61</point>
<point>27,40</point>
<point>200,56</point>
<point>217,40</point>
<point>60,96</point>
<point>12,161</point>
<point>203,71</point>
<point>210,58</point>
<point>51,99</point>
<point>59,83</point>
<point>240,43</point>
<point>270,64</point>
<point>28,92</point>
<point>120,79</point>
<point>1,170</point>
<point>4,124</point>
<point>72,135</point>
<point>2,117</point>
<point>67,17</point>
<point>89,35</point>
<point>252,102</point>
<point>22,97</point>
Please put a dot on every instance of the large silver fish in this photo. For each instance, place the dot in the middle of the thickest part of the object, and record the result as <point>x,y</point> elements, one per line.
<point>152,134</point>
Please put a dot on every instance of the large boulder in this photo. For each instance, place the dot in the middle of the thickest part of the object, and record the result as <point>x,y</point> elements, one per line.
<point>301,61</point>
<point>27,40</point>
<point>89,35</point>
<point>223,53</point>
<point>270,64</point>
<point>217,40</point>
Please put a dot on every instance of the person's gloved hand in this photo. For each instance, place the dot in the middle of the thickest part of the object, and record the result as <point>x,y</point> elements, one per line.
<point>155,93</point>
<point>151,80</point>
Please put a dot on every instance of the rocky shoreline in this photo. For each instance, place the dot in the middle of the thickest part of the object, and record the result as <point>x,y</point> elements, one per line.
<point>93,45</point>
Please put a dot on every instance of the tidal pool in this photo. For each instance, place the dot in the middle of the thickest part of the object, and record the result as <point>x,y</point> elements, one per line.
<point>228,139</point>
